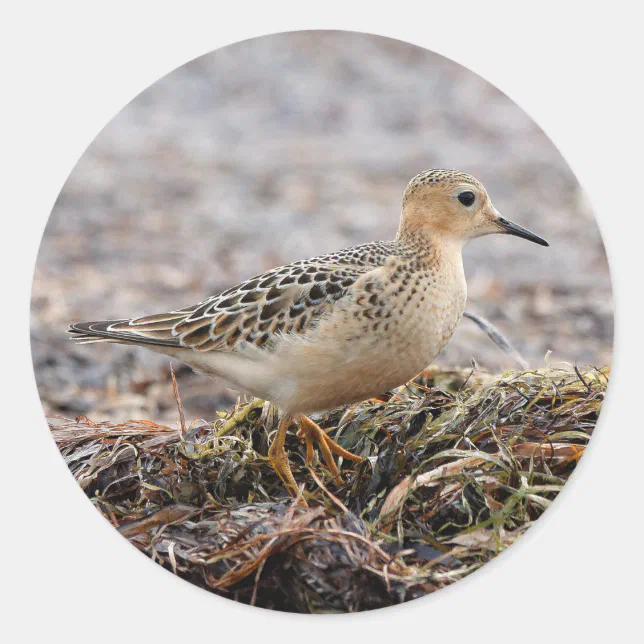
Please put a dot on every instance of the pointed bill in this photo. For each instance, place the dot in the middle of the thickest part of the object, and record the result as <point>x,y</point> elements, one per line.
<point>511,228</point>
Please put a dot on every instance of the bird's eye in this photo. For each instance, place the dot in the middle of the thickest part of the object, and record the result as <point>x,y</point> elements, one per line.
<point>467,198</point>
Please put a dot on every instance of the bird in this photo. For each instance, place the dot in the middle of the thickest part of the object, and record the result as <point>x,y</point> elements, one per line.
<point>335,329</point>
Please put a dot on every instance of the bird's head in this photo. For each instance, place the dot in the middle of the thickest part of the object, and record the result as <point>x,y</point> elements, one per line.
<point>454,207</point>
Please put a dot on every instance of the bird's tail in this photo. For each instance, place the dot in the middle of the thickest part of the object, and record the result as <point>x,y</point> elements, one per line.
<point>155,330</point>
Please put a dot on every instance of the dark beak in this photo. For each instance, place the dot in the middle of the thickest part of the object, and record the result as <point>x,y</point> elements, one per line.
<point>511,228</point>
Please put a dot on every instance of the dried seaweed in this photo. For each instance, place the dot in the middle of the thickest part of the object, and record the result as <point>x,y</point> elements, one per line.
<point>458,465</point>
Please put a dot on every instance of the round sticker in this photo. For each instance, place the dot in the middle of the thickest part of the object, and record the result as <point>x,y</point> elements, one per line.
<point>322,322</point>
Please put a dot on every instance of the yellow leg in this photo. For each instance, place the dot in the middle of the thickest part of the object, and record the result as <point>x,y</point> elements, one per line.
<point>279,458</point>
<point>312,432</point>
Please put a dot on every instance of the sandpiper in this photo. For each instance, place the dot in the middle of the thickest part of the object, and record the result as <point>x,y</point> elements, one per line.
<point>335,329</point>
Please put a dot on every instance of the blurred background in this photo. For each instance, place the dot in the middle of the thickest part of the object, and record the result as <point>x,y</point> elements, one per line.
<point>280,148</point>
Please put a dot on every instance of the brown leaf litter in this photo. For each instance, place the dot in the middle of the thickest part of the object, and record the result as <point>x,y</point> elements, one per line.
<point>458,465</point>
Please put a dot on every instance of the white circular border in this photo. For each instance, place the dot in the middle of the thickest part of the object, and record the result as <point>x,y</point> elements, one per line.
<point>69,67</point>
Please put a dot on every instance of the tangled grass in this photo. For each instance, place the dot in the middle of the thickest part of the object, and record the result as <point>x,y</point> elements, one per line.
<point>458,465</point>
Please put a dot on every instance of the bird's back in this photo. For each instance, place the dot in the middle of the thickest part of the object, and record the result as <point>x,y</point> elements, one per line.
<point>317,333</point>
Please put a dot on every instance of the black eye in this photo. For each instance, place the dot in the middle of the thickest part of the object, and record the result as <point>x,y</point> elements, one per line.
<point>467,198</point>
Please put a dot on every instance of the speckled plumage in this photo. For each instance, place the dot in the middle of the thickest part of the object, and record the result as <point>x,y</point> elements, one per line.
<point>338,328</point>
<point>374,298</point>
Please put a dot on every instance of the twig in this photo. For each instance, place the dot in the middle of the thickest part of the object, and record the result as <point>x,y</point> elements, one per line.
<point>590,391</point>
<point>498,338</point>
<point>175,388</point>
<point>335,499</point>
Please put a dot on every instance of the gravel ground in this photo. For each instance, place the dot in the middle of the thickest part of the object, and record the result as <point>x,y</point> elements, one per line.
<point>287,146</point>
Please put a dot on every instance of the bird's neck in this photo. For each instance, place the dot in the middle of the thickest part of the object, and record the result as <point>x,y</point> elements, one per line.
<point>421,227</point>
<point>430,248</point>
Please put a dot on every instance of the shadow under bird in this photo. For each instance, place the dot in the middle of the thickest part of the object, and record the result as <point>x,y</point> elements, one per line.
<point>335,329</point>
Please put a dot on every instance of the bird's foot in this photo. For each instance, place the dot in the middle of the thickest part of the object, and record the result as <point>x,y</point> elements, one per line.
<point>312,433</point>
<point>279,460</point>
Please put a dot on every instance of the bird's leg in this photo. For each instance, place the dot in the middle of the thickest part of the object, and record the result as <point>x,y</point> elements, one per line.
<point>312,432</point>
<point>279,458</point>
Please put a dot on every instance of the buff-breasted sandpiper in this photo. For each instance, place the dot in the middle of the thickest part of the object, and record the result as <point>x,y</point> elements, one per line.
<point>335,329</point>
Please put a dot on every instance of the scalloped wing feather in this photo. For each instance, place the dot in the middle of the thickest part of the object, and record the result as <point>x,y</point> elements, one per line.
<point>287,299</point>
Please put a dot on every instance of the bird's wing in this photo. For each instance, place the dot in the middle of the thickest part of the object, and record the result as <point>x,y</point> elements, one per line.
<point>287,299</point>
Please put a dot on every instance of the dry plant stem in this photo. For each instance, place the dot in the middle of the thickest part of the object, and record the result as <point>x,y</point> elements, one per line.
<point>240,415</point>
<point>175,389</point>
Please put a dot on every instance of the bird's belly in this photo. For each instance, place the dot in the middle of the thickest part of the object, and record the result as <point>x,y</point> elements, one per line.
<point>350,365</point>
<point>347,358</point>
